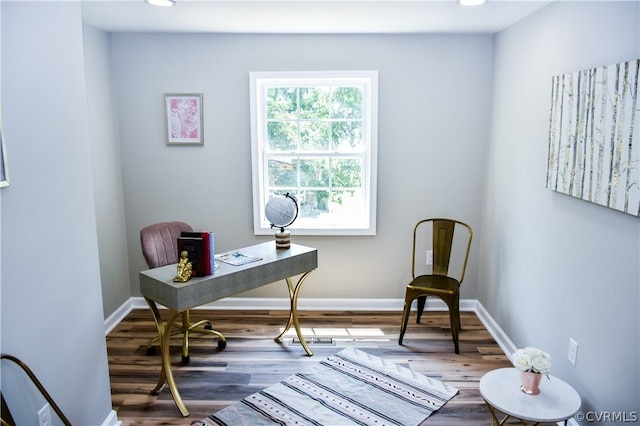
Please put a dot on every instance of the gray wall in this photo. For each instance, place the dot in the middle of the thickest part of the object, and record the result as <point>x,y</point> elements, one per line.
<point>51,303</point>
<point>1,202</point>
<point>552,266</point>
<point>429,163</point>
<point>107,171</point>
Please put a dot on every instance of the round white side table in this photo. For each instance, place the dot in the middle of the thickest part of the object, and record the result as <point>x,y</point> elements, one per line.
<point>556,402</point>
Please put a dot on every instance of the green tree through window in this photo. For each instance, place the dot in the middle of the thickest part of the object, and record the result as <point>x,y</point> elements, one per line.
<point>314,136</point>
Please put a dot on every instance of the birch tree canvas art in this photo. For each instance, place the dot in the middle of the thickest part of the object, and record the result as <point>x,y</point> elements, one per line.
<point>594,136</point>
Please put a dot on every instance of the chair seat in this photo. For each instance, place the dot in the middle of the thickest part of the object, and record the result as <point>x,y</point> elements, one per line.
<point>435,284</point>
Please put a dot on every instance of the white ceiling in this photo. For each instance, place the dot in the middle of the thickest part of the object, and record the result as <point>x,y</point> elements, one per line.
<point>308,16</point>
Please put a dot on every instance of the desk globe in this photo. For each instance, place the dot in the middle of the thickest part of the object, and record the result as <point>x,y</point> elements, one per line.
<point>281,211</point>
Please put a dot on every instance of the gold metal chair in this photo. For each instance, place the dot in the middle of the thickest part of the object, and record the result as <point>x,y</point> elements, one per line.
<point>450,251</point>
<point>160,247</point>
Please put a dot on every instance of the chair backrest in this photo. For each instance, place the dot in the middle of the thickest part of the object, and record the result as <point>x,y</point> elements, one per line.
<point>449,248</point>
<point>160,242</point>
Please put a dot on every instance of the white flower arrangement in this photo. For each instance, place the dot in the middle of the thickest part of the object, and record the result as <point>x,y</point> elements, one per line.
<point>532,360</point>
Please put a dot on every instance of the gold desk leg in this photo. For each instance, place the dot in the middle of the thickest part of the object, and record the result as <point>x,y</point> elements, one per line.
<point>165,374</point>
<point>161,331</point>
<point>186,327</point>
<point>293,312</point>
<point>166,366</point>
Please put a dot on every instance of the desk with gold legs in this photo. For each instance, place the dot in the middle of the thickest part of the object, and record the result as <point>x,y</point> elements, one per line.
<point>157,286</point>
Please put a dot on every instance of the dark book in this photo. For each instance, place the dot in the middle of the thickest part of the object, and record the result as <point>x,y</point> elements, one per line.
<point>208,259</point>
<point>195,248</point>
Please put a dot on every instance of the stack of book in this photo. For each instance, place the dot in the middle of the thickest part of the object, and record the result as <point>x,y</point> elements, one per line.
<point>200,247</point>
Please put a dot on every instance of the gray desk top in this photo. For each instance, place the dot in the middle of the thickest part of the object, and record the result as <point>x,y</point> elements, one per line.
<point>276,264</point>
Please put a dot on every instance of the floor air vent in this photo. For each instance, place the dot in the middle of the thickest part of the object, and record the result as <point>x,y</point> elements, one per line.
<point>315,341</point>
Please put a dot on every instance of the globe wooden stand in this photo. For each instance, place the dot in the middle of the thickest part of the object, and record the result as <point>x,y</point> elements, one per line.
<point>281,211</point>
<point>283,240</point>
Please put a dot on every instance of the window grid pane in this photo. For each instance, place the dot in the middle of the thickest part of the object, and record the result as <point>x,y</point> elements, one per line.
<point>316,148</point>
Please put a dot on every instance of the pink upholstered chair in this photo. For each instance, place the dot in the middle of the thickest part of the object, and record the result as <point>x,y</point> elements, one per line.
<point>160,247</point>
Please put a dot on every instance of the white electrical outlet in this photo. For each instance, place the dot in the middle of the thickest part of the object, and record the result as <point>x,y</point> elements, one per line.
<point>44,416</point>
<point>572,355</point>
<point>429,257</point>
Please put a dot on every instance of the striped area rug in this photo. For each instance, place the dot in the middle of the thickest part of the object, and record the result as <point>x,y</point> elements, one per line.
<point>348,388</point>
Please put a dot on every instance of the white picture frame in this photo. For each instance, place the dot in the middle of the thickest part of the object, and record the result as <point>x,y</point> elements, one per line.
<point>184,119</point>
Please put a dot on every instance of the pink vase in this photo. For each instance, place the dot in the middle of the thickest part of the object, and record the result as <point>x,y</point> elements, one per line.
<point>530,383</point>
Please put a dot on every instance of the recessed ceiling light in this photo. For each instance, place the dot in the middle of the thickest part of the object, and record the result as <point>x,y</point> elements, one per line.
<point>471,2</point>
<point>162,3</point>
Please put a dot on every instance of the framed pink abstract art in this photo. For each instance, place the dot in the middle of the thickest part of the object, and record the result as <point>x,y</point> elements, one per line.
<point>184,118</point>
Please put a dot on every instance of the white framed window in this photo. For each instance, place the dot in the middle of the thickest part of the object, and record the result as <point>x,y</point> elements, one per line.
<point>314,136</point>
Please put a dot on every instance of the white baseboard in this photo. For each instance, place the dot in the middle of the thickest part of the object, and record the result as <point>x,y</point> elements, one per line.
<point>119,314</point>
<point>112,420</point>
<point>327,304</point>
<point>496,332</point>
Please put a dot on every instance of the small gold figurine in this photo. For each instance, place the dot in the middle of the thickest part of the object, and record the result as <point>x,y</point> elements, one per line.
<point>185,269</point>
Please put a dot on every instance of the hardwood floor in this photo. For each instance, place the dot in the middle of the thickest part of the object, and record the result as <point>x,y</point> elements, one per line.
<point>252,360</point>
